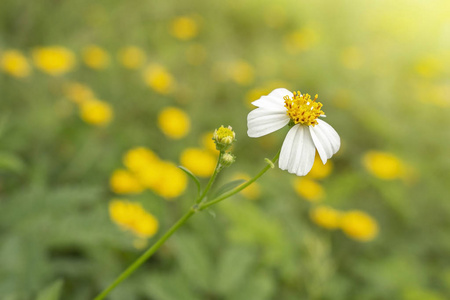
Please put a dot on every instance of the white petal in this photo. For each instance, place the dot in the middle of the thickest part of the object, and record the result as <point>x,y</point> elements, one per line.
<point>262,121</point>
<point>298,151</point>
<point>274,100</point>
<point>325,139</point>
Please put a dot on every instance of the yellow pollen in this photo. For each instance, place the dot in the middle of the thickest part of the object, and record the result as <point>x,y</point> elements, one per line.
<point>302,109</point>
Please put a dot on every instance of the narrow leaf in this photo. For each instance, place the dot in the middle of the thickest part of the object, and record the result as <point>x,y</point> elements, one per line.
<point>197,182</point>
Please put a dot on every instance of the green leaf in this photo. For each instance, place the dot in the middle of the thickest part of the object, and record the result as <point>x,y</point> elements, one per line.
<point>52,292</point>
<point>227,187</point>
<point>190,174</point>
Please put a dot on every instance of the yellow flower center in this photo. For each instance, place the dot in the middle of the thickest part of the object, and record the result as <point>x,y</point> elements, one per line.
<point>224,135</point>
<point>302,109</point>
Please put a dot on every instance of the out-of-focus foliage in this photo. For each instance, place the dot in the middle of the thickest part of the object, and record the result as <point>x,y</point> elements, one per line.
<point>84,82</point>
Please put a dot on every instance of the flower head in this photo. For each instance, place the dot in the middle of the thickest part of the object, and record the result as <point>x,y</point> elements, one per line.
<point>15,63</point>
<point>131,216</point>
<point>55,60</point>
<point>307,133</point>
<point>224,137</point>
<point>95,57</point>
<point>96,112</point>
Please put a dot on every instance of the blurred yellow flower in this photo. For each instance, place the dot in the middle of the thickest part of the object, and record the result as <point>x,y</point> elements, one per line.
<point>132,57</point>
<point>320,170</point>
<point>196,54</point>
<point>159,79</point>
<point>78,92</point>
<point>208,143</point>
<point>184,28</point>
<point>308,189</point>
<point>301,40</point>
<point>172,181</point>
<point>325,216</point>
<point>352,58</point>
<point>124,182</point>
<point>429,66</point>
<point>150,175</point>
<point>54,60</point>
<point>359,225</point>
<point>133,217</point>
<point>15,63</point>
<point>140,158</point>
<point>174,122</point>
<point>96,112</point>
<point>383,165</point>
<point>200,162</point>
<point>95,57</point>
<point>253,191</point>
<point>241,72</point>
<point>145,165</point>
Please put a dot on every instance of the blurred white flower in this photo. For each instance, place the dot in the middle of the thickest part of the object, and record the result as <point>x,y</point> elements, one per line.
<point>308,133</point>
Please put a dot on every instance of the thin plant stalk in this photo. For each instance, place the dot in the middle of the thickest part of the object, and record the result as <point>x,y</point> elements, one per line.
<point>196,208</point>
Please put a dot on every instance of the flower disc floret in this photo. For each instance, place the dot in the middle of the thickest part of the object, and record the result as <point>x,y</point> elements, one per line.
<point>224,137</point>
<point>301,109</point>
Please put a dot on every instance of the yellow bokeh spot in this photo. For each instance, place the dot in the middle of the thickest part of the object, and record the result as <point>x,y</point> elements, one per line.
<point>55,60</point>
<point>301,40</point>
<point>383,165</point>
<point>320,170</point>
<point>174,122</point>
<point>352,58</point>
<point>132,57</point>
<point>95,57</point>
<point>241,72</point>
<point>133,217</point>
<point>184,28</point>
<point>124,182</point>
<point>200,162</point>
<point>15,63</point>
<point>308,189</point>
<point>429,66</point>
<point>359,225</point>
<point>140,158</point>
<point>96,112</point>
<point>253,191</point>
<point>301,109</point>
<point>172,181</point>
<point>325,216</point>
<point>196,54</point>
<point>159,79</point>
<point>78,92</point>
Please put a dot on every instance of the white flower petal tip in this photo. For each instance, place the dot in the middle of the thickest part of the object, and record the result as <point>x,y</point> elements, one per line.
<point>326,140</point>
<point>298,151</point>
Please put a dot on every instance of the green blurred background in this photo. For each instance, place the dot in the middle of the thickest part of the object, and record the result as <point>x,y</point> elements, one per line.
<point>381,69</point>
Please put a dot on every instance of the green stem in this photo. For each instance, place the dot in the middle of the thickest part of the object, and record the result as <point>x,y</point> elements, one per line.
<point>211,180</point>
<point>146,255</point>
<point>239,188</point>
<point>198,207</point>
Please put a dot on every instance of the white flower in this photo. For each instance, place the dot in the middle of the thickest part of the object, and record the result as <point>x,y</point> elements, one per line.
<point>308,133</point>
